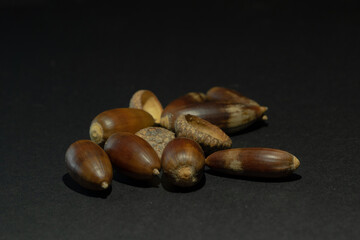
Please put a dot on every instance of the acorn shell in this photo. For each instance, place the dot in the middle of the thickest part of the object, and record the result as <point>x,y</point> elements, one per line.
<point>133,156</point>
<point>118,120</point>
<point>210,137</point>
<point>183,162</point>
<point>157,137</point>
<point>89,165</point>
<point>147,101</point>
<point>222,94</point>
<point>254,162</point>
<point>178,104</point>
<point>230,117</point>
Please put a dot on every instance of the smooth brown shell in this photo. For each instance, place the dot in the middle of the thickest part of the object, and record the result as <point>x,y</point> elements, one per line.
<point>147,101</point>
<point>89,165</point>
<point>157,137</point>
<point>254,162</point>
<point>183,162</point>
<point>133,156</point>
<point>230,117</point>
<point>118,120</point>
<point>210,137</point>
<point>222,94</point>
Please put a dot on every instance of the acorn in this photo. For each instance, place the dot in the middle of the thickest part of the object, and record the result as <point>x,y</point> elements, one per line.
<point>182,102</point>
<point>133,156</point>
<point>157,137</point>
<point>221,94</point>
<point>253,162</point>
<point>89,165</point>
<point>118,120</point>
<point>183,162</point>
<point>210,137</point>
<point>147,101</point>
<point>230,117</point>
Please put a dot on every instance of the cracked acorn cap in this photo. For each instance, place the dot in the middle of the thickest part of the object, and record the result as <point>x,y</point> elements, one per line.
<point>133,156</point>
<point>183,162</point>
<point>210,137</point>
<point>89,165</point>
<point>147,101</point>
<point>253,162</point>
<point>118,120</point>
<point>157,137</point>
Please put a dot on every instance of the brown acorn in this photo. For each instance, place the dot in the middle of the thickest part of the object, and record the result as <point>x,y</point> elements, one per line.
<point>167,117</point>
<point>210,137</point>
<point>230,117</point>
<point>253,162</point>
<point>89,165</point>
<point>157,137</point>
<point>147,101</point>
<point>133,156</point>
<point>183,162</point>
<point>118,120</point>
<point>222,94</point>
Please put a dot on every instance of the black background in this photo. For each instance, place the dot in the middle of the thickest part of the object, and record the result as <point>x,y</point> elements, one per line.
<point>62,63</point>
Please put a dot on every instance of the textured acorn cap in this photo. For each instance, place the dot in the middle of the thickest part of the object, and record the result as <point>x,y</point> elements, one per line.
<point>209,136</point>
<point>147,101</point>
<point>157,137</point>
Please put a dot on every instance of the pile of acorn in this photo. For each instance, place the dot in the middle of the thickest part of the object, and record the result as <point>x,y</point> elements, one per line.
<point>144,139</point>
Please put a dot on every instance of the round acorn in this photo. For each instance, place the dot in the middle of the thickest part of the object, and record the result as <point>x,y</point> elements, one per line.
<point>183,162</point>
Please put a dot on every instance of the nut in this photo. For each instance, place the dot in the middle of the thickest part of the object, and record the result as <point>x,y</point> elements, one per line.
<point>89,165</point>
<point>254,162</point>
<point>118,120</point>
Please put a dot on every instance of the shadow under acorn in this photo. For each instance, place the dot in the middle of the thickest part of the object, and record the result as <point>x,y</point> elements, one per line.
<point>152,183</point>
<point>291,178</point>
<point>165,182</point>
<point>70,183</point>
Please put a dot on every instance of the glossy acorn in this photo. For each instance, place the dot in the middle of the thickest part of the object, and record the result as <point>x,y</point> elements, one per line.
<point>230,117</point>
<point>147,101</point>
<point>133,156</point>
<point>89,165</point>
<point>118,120</point>
<point>253,162</point>
<point>183,162</point>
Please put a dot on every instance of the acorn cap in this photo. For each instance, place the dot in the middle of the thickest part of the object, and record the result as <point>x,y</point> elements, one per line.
<point>147,101</point>
<point>157,137</point>
<point>209,136</point>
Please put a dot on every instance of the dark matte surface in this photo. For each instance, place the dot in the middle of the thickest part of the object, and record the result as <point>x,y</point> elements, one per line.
<point>61,66</point>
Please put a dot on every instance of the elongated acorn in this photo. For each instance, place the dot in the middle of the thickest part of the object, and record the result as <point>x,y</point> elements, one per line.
<point>133,156</point>
<point>118,120</point>
<point>147,101</point>
<point>157,137</point>
<point>230,117</point>
<point>89,165</point>
<point>254,162</point>
<point>222,94</point>
<point>183,162</point>
<point>210,137</point>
